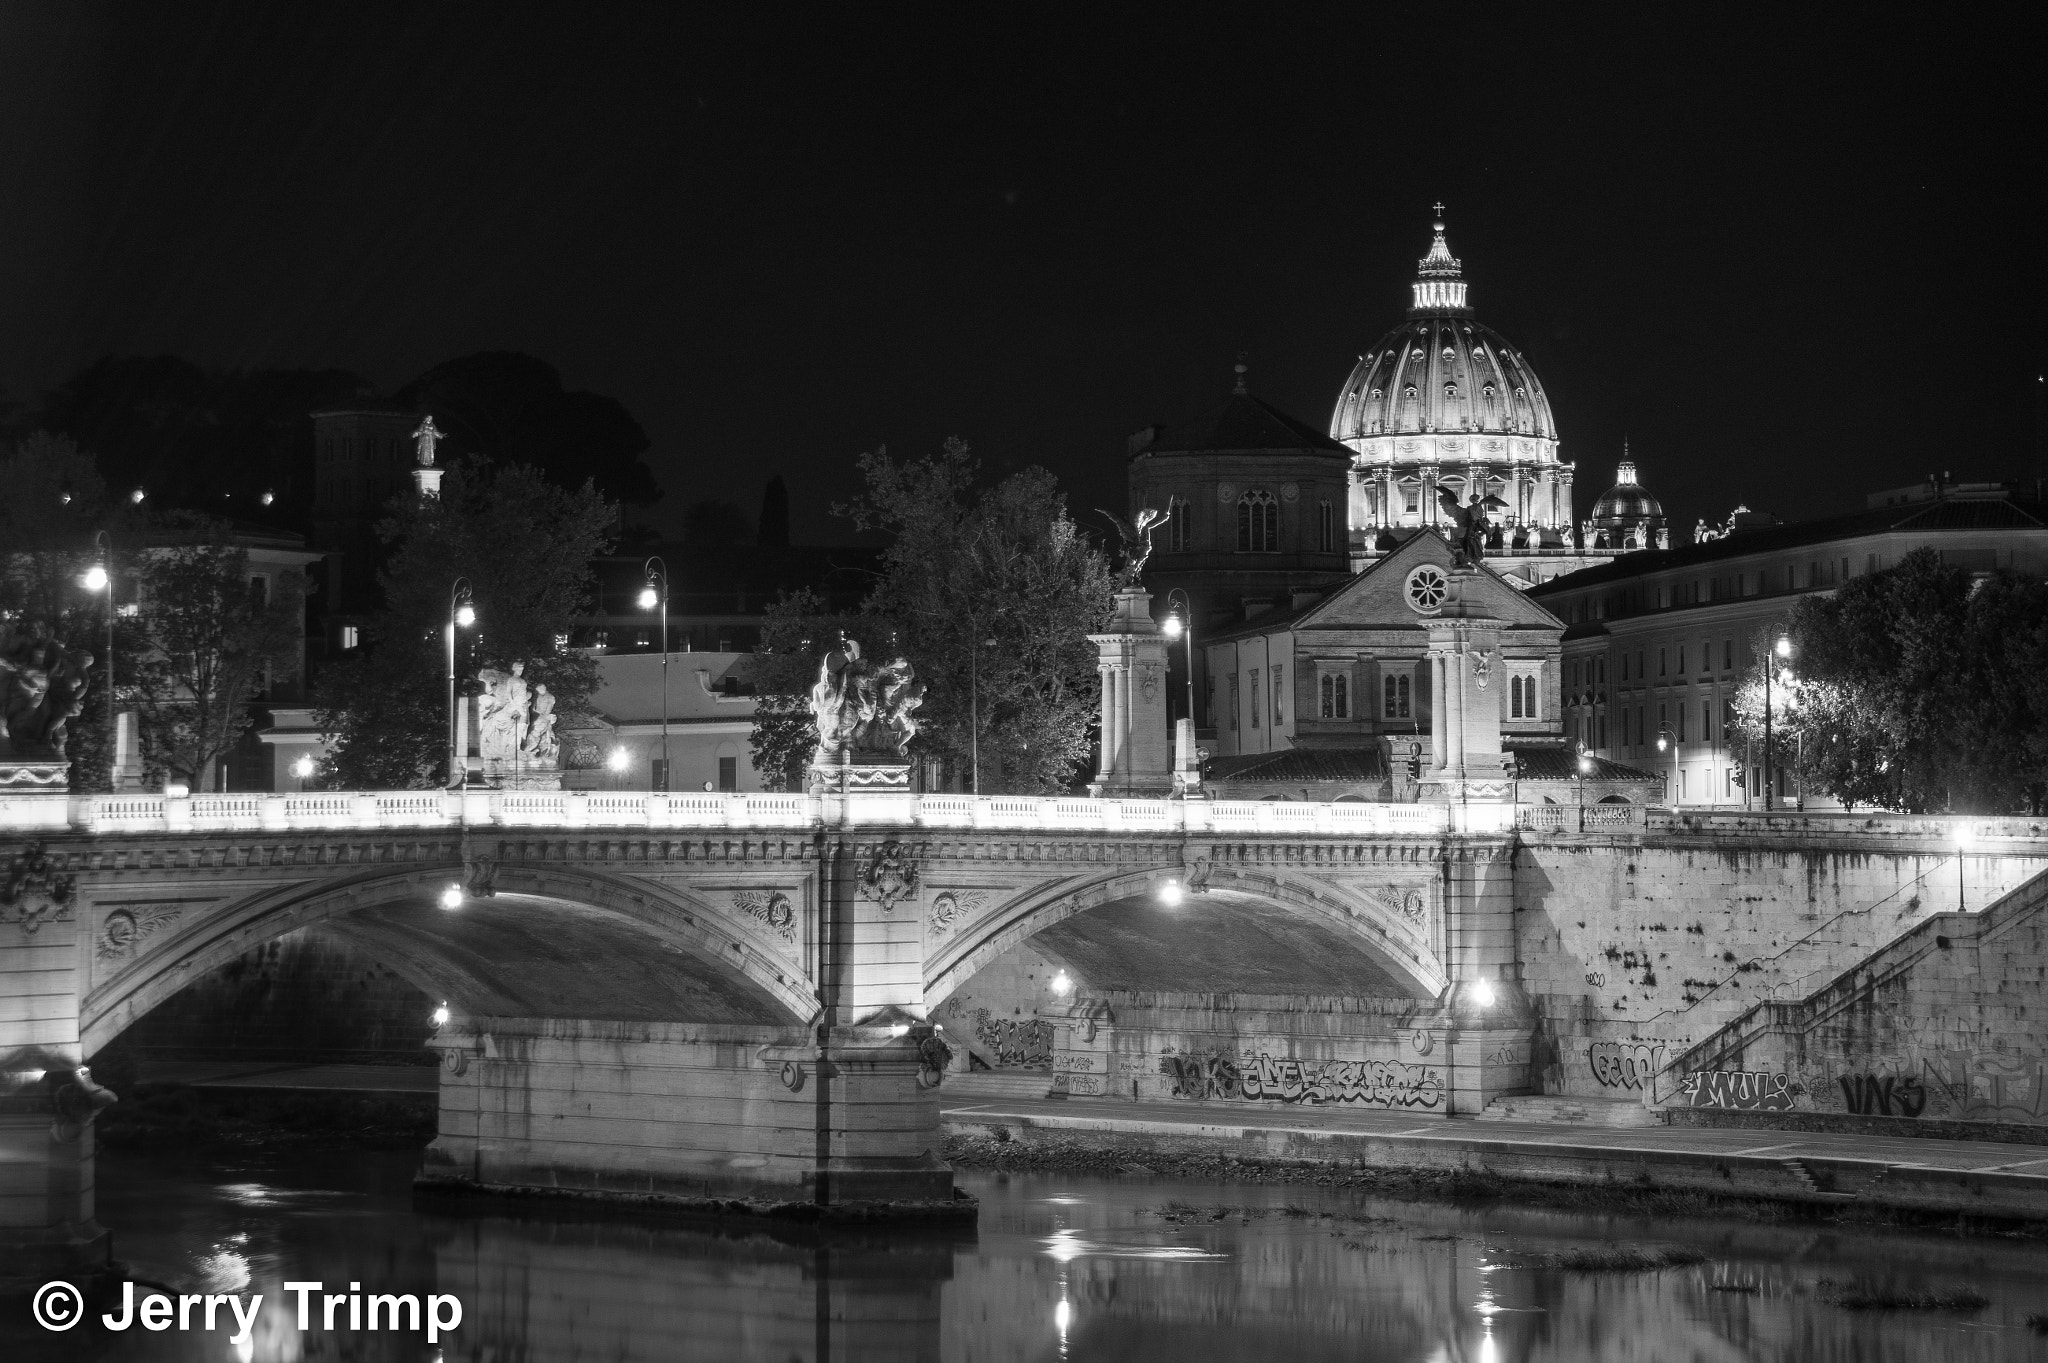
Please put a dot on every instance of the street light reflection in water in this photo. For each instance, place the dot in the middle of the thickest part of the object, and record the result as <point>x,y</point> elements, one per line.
<point>1131,1269</point>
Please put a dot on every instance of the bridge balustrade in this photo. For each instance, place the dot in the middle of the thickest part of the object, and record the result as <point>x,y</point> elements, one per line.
<point>312,810</point>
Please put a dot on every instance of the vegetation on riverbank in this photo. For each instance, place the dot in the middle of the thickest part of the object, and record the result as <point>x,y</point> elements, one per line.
<point>158,1117</point>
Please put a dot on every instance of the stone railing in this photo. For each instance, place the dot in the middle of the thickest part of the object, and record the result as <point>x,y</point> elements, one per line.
<point>1576,818</point>
<point>259,812</point>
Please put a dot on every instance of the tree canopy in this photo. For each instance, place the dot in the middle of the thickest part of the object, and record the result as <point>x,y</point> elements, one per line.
<point>525,547</point>
<point>1918,688</point>
<point>991,593</point>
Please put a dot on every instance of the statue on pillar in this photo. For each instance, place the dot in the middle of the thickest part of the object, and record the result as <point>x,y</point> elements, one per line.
<point>424,439</point>
<point>1135,536</point>
<point>864,711</point>
<point>43,686</point>
<point>1469,525</point>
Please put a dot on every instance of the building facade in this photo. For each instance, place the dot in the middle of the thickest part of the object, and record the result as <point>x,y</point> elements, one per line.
<point>1657,644</point>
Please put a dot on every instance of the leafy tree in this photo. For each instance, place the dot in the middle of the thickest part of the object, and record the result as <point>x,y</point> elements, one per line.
<point>525,545</point>
<point>212,642</point>
<point>1008,565</point>
<point>1918,688</point>
<point>796,633</point>
<point>512,408</point>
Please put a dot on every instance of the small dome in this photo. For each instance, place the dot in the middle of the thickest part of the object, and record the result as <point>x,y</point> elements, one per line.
<point>1626,501</point>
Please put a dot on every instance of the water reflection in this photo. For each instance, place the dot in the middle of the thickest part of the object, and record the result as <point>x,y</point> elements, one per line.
<point>1059,1269</point>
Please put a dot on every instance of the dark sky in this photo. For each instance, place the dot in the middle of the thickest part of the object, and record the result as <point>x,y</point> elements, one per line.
<point>1790,265</point>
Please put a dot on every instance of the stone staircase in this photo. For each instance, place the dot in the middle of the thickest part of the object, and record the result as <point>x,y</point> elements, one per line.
<point>992,1086</point>
<point>1557,1110</point>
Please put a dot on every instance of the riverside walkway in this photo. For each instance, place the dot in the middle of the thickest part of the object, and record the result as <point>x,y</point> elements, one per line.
<point>1987,1178</point>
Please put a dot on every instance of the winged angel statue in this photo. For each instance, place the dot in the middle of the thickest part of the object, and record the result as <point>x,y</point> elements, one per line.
<point>1136,535</point>
<point>1468,545</point>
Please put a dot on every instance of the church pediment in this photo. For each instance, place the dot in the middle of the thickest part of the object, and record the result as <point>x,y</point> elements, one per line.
<point>1383,597</point>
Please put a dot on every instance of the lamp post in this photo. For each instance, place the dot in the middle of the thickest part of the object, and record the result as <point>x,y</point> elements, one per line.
<point>1783,649</point>
<point>1585,769</point>
<point>974,705</point>
<point>100,577</point>
<point>618,760</point>
<point>303,769</point>
<point>1667,742</point>
<point>656,569</point>
<point>1965,835</point>
<point>1178,628</point>
<point>461,612</point>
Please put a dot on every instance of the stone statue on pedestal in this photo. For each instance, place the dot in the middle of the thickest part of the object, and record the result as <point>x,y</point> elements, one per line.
<point>865,714</point>
<point>43,686</point>
<point>424,439</point>
<point>1468,538</point>
<point>541,745</point>
<point>515,730</point>
<point>1136,538</point>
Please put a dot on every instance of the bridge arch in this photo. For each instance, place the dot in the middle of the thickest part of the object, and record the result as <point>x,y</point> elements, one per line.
<point>1399,956</point>
<point>549,941</point>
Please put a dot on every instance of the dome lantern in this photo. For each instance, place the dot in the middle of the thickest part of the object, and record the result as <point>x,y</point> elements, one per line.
<point>1440,286</point>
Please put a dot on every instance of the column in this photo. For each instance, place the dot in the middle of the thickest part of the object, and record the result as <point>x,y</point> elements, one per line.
<point>1137,742</point>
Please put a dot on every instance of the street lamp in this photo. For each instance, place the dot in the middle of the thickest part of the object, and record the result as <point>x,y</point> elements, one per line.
<point>1783,649</point>
<point>1177,627</point>
<point>100,578</point>
<point>461,613</point>
<point>618,760</point>
<point>652,596</point>
<point>303,769</point>
<point>974,707</point>
<point>1965,835</point>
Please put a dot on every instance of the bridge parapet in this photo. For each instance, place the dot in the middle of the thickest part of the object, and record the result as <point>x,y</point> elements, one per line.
<point>258,812</point>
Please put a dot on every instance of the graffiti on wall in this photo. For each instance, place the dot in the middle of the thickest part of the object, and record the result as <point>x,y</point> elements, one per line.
<point>1015,1041</point>
<point>1873,1095</point>
<point>1198,1077</point>
<point>1624,1064</point>
<point>1739,1090</point>
<point>1369,1083</point>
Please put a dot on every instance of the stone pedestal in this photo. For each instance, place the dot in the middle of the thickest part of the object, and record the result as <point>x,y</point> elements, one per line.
<point>1466,763</point>
<point>845,776</point>
<point>1137,756</point>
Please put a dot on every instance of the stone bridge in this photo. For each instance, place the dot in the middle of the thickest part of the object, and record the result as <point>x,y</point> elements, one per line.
<point>719,996</point>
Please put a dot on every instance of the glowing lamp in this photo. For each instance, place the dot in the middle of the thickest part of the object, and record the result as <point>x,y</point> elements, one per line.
<point>269,497</point>
<point>1482,993</point>
<point>441,1016</point>
<point>137,496</point>
<point>1172,627</point>
<point>96,578</point>
<point>649,598</point>
<point>465,615</point>
<point>451,898</point>
<point>303,768</point>
<point>1965,835</point>
<point>1662,743</point>
<point>618,759</point>
<point>1586,763</point>
<point>1062,985</point>
<point>1784,647</point>
<point>1170,893</point>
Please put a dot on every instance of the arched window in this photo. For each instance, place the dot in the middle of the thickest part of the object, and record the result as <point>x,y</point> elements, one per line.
<point>1397,698</point>
<point>1326,527</point>
<point>1343,696</point>
<point>1178,538</point>
<point>1258,523</point>
<point>1514,698</point>
<point>1329,691</point>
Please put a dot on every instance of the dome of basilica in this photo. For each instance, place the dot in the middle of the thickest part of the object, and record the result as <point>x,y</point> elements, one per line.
<point>1441,372</point>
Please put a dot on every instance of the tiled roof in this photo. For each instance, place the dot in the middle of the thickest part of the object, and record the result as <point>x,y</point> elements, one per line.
<point>1945,515</point>
<point>1243,423</point>
<point>1301,764</point>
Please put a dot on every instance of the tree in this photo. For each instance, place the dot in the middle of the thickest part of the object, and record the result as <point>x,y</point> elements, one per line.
<point>1006,565</point>
<point>525,545</point>
<point>213,639</point>
<point>1917,688</point>
<point>512,408</point>
<point>796,632</point>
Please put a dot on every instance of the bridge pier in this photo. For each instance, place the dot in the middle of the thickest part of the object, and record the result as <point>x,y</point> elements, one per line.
<point>47,1225</point>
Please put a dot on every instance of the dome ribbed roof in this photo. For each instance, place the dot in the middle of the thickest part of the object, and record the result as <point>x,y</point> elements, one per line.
<point>1627,500</point>
<point>1441,370</point>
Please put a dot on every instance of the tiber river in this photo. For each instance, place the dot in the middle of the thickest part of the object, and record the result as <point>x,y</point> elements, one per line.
<point>1059,1268</point>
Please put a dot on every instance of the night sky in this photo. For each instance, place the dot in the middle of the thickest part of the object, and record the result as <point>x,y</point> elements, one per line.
<point>1790,266</point>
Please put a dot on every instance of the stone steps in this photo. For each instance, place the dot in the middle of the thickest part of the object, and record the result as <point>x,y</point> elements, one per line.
<point>994,1085</point>
<point>1558,1110</point>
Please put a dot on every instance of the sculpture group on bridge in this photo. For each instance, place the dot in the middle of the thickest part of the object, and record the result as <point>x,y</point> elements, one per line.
<point>863,709</point>
<point>42,689</point>
<point>515,720</point>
